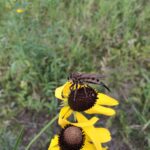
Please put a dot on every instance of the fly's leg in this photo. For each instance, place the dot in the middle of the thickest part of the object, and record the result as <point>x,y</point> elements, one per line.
<point>88,86</point>
<point>75,92</point>
<point>71,87</point>
<point>84,87</point>
<point>85,91</point>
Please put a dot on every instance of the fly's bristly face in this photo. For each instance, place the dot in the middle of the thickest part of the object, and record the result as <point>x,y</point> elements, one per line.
<point>75,77</point>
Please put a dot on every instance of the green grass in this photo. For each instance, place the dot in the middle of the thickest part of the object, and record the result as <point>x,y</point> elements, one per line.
<point>52,38</point>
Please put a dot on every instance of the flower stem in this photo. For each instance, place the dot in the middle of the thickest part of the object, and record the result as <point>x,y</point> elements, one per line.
<point>40,133</point>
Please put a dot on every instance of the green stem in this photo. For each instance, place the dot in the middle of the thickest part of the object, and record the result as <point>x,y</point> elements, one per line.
<point>40,133</point>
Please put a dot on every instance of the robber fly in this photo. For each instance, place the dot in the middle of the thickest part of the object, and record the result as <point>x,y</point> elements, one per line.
<point>85,79</point>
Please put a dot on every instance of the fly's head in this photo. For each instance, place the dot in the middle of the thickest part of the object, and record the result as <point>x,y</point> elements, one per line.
<point>74,77</point>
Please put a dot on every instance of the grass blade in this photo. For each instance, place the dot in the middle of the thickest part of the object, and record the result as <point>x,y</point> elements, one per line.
<point>19,139</point>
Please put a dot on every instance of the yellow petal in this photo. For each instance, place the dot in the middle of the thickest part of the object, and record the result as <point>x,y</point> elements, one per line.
<point>88,145</point>
<point>82,118</point>
<point>83,121</point>
<point>91,132</point>
<point>97,109</point>
<point>65,112</point>
<point>106,100</point>
<point>58,93</point>
<point>66,89</point>
<point>97,135</point>
<point>63,91</point>
<point>103,135</point>
<point>54,144</point>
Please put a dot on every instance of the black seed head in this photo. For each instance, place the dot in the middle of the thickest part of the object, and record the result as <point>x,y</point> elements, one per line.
<point>82,99</point>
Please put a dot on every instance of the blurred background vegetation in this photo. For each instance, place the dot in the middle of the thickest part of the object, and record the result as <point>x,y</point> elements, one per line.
<point>39,47</point>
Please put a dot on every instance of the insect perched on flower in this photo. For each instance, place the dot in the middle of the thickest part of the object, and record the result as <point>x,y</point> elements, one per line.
<point>84,79</point>
<point>91,102</point>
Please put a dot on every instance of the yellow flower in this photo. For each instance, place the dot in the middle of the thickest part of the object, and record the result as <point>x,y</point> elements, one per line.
<point>20,10</point>
<point>84,99</point>
<point>80,136</point>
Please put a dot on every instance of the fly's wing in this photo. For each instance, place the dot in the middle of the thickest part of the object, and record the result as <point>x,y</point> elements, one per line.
<point>94,79</point>
<point>85,76</point>
<point>98,82</point>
